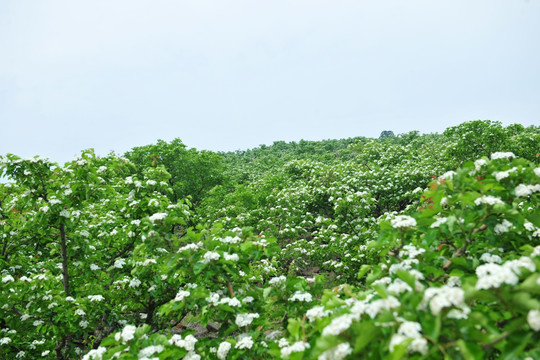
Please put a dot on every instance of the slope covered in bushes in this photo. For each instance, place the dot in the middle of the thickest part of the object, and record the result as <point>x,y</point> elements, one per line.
<point>413,246</point>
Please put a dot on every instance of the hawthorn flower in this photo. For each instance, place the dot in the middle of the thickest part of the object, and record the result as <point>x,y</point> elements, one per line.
<point>317,312</point>
<point>488,199</point>
<point>5,341</point>
<point>181,295</point>
<point>7,278</point>
<point>444,296</point>
<point>338,325</point>
<point>523,190</point>
<point>504,227</point>
<point>80,312</point>
<point>499,175</point>
<point>298,346</point>
<point>231,257</point>
<point>244,319</point>
<point>223,350</point>
<point>233,302</point>
<point>94,267</point>
<point>134,283</point>
<point>301,296</point>
<point>438,222</point>
<point>209,256</point>
<point>533,318</point>
<point>93,298</point>
<point>403,221</point>
<point>489,258</point>
<point>337,352</point>
<point>502,155</point>
<point>153,202</point>
<point>187,343</point>
<point>127,334</point>
<point>96,354</point>
<point>410,330</point>
<point>537,171</point>
<point>479,163</point>
<point>277,280</point>
<point>244,342</point>
<point>119,263</point>
<point>157,217</point>
<point>150,350</point>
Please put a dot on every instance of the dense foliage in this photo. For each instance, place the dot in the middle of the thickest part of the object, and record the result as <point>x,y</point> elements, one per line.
<point>408,246</point>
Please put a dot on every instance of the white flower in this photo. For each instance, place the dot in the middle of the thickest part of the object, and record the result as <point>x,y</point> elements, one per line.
<point>230,257</point>
<point>499,175</point>
<point>479,163</point>
<point>298,346</point>
<point>244,342</point>
<point>150,350</point>
<point>93,298</point>
<point>301,296</point>
<point>442,297</point>
<point>438,222</point>
<point>191,356</point>
<point>94,267</point>
<point>80,312</point>
<point>403,221</point>
<point>187,343</point>
<point>209,256</point>
<point>7,278</point>
<point>316,313</point>
<point>523,190</point>
<point>157,216</point>
<point>151,182</point>
<point>336,353</point>
<point>504,227</point>
<point>489,258</point>
<point>488,199</point>
<point>153,202</point>
<point>537,171</point>
<point>83,323</point>
<point>96,354</point>
<point>5,341</point>
<point>181,295</point>
<point>119,263</point>
<point>277,280</point>
<point>64,213</point>
<point>338,325</point>
<point>223,350</point>
<point>244,319</point>
<point>447,175</point>
<point>20,355</point>
<point>127,333</point>
<point>44,209</point>
<point>533,318</point>
<point>134,283</point>
<point>233,302</point>
<point>502,155</point>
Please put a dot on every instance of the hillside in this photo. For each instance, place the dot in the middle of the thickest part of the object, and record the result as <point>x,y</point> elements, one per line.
<point>418,246</point>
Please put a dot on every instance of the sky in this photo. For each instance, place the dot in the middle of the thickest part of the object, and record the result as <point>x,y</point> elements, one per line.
<point>227,75</point>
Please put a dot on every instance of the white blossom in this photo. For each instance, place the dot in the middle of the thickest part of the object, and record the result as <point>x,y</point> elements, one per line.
<point>244,319</point>
<point>533,318</point>
<point>403,221</point>
<point>223,350</point>
<point>502,155</point>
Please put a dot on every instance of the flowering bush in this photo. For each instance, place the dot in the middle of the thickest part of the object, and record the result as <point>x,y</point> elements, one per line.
<point>391,253</point>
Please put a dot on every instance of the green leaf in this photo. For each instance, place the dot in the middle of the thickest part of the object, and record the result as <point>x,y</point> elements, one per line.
<point>363,270</point>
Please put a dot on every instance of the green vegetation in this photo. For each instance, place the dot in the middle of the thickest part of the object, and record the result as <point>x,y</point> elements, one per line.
<point>408,246</point>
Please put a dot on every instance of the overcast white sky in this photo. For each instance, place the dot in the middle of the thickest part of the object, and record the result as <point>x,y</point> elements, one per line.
<point>227,75</point>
